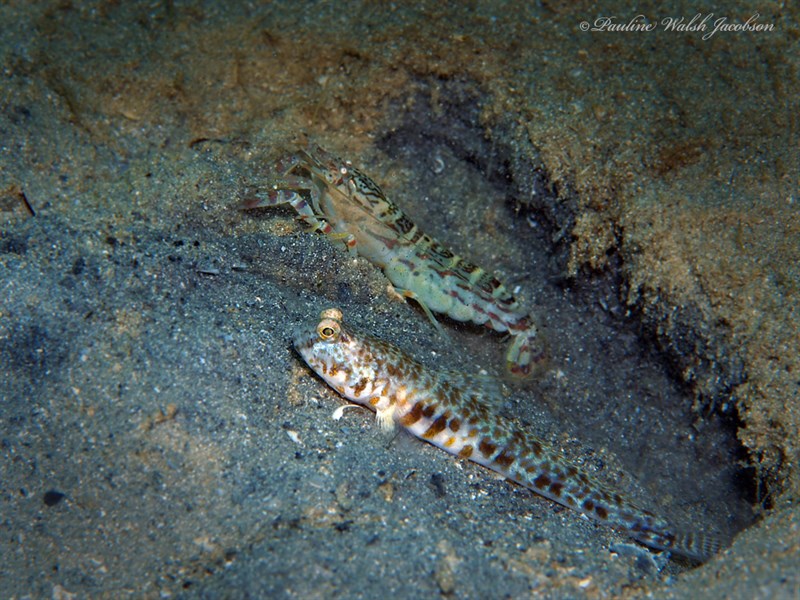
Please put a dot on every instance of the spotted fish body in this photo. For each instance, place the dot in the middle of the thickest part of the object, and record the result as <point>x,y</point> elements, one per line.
<point>341,201</point>
<point>450,412</point>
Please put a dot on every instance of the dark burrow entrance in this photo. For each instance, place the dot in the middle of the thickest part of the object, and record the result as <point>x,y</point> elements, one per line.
<point>610,383</point>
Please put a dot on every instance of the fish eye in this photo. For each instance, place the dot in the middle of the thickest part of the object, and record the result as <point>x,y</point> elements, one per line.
<point>327,329</point>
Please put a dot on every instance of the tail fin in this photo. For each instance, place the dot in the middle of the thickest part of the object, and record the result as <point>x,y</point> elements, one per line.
<point>695,546</point>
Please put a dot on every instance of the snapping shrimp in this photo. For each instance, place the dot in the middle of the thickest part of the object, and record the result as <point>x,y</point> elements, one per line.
<point>339,200</point>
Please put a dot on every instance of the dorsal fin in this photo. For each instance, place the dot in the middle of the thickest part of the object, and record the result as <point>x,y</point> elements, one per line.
<point>489,388</point>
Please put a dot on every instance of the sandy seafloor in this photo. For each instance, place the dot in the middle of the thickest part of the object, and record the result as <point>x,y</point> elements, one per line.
<point>160,438</point>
